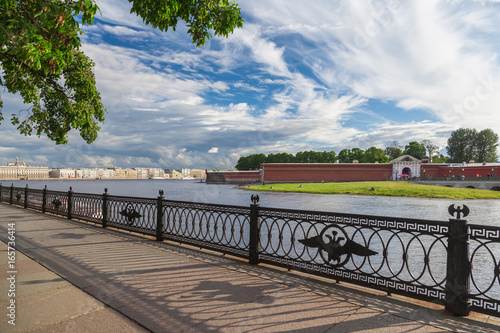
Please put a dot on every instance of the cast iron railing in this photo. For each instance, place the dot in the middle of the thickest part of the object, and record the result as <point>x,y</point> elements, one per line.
<point>448,261</point>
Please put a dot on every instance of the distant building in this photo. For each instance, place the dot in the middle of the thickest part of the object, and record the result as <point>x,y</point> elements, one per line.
<point>89,173</point>
<point>142,173</point>
<point>125,174</point>
<point>173,174</point>
<point>156,173</point>
<point>105,173</point>
<point>15,170</point>
<point>198,174</point>
<point>63,173</point>
<point>186,173</point>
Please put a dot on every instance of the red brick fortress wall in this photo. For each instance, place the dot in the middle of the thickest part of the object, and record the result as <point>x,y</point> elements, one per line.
<point>233,177</point>
<point>328,172</point>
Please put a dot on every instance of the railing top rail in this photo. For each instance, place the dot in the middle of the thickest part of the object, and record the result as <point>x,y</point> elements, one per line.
<point>56,192</point>
<point>205,204</point>
<point>129,197</point>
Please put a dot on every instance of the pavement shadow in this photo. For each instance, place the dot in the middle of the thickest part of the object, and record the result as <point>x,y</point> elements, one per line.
<point>68,235</point>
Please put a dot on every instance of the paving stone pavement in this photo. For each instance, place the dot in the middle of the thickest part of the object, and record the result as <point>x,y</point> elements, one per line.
<point>76,277</point>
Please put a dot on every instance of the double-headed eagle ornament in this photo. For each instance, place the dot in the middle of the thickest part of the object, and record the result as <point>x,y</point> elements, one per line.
<point>131,214</point>
<point>336,247</point>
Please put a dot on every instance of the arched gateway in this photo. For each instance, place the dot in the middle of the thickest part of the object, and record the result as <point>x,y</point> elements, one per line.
<point>405,165</point>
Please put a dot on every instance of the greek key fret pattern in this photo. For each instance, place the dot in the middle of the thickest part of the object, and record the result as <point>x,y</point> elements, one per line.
<point>423,226</point>
<point>482,305</point>
<point>485,232</point>
<point>484,252</point>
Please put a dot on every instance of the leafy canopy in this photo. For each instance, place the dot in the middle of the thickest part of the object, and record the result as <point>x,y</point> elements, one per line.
<point>40,56</point>
<point>467,144</point>
<point>415,149</point>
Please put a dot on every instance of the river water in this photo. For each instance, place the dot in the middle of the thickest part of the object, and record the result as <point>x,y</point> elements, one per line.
<point>485,212</point>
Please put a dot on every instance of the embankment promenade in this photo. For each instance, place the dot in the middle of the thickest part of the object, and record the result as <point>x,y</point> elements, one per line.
<point>69,276</point>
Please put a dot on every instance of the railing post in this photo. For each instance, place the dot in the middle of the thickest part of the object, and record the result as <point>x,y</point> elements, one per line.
<point>70,202</point>
<point>44,199</point>
<point>11,193</point>
<point>26,196</point>
<point>458,265</point>
<point>254,244</point>
<point>159,217</point>
<point>105,208</point>
<point>0,192</point>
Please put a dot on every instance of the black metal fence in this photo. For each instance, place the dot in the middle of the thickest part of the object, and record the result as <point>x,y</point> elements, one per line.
<point>449,261</point>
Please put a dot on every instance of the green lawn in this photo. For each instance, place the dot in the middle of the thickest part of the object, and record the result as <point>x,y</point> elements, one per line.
<point>397,189</point>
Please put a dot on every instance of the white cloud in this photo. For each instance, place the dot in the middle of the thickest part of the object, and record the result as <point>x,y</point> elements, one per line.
<point>298,76</point>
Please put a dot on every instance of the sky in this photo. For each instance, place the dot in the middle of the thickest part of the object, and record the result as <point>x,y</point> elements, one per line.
<point>300,75</point>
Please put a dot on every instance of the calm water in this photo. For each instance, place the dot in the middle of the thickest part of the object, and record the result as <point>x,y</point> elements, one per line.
<point>482,211</point>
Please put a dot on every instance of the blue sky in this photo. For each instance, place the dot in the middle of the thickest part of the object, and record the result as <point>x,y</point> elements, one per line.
<point>300,75</point>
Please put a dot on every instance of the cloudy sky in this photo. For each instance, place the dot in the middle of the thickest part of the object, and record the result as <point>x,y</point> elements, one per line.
<point>300,75</point>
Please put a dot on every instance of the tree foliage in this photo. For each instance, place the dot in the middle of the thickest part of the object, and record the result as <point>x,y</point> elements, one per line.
<point>250,162</point>
<point>375,155</point>
<point>394,150</point>
<point>346,156</point>
<point>200,16</point>
<point>466,145</point>
<point>430,148</point>
<point>40,56</point>
<point>439,159</point>
<point>461,145</point>
<point>415,149</point>
<point>486,144</point>
<point>254,161</point>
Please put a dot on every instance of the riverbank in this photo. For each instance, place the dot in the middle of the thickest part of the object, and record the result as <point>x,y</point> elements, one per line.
<point>381,188</point>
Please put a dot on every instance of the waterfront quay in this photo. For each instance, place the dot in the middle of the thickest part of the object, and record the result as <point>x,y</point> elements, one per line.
<point>74,276</point>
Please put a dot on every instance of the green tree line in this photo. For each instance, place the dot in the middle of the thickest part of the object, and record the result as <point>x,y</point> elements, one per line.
<point>464,145</point>
<point>370,155</point>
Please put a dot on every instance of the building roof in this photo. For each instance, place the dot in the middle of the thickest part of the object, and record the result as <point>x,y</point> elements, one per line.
<point>405,158</point>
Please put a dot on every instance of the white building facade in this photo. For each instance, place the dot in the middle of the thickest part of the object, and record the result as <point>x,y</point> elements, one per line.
<point>23,171</point>
<point>405,166</point>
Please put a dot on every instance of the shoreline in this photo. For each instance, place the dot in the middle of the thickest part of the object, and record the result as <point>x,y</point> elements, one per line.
<point>383,188</point>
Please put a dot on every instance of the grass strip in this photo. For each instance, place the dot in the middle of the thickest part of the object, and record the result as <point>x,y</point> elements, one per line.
<point>381,188</point>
